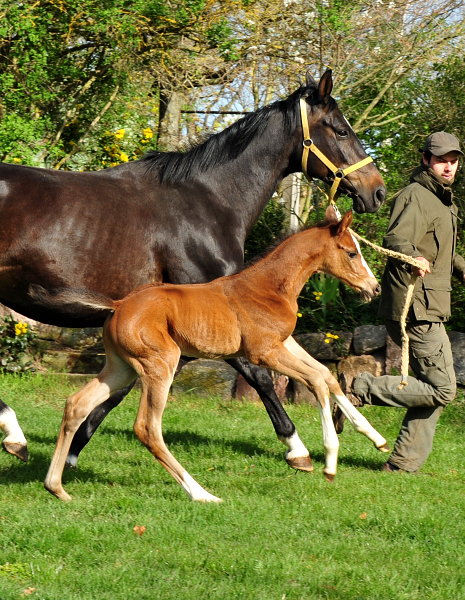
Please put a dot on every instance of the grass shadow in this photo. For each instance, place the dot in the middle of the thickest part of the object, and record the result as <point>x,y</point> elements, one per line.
<point>19,472</point>
<point>188,439</point>
<point>39,460</point>
<point>360,462</point>
<point>36,469</point>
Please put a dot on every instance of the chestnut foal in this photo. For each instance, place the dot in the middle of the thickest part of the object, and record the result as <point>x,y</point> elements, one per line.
<point>251,314</point>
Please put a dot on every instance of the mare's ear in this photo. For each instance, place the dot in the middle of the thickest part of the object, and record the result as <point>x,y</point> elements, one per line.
<point>345,223</point>
<point>325,86</point>
<point>309,80</point>
<point>331,217</point>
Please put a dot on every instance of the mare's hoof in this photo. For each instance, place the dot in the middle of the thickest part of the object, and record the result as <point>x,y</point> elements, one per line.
<point>71,461</point>
<point>16,449</point>
<point>301,463</point>
<point>329,477</point>
<point>383,448</point>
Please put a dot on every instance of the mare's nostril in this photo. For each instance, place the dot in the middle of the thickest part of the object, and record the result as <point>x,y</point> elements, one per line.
<point>381,195</point>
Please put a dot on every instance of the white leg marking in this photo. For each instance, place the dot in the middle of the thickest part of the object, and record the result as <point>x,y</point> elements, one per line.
<point>359,422</point>
<point>10,426</point>
<point>296,448</point>
<point>330,440</point>
<point>195,491</point>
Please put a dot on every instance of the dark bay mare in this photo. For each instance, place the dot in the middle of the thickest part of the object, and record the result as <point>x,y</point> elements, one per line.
<point>169,217</point>
<point>252,313</point>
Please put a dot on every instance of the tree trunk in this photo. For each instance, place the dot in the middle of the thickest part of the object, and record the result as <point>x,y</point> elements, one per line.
<point>169,123</point>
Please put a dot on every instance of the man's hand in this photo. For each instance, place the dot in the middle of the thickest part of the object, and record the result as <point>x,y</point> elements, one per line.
<point>421,272</point>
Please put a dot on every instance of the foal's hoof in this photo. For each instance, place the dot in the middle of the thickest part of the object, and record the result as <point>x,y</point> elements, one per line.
<point>301,463</point>
<point>16,449</point>
<point>58,492</point>
<point>383,448</point>
<point>210,498</point>
<point>329,477</point>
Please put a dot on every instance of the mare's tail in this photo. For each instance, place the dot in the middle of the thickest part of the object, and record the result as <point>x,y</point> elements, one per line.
<point>59,297</point>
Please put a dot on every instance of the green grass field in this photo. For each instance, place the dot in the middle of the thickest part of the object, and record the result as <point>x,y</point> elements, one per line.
<point>278,535</point>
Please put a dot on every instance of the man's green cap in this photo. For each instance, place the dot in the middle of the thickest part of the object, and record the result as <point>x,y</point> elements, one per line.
<point>441,143</point>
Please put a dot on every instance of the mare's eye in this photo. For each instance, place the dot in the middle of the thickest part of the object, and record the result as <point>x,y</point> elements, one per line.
<point>342,133</point>
<point>352,254</point>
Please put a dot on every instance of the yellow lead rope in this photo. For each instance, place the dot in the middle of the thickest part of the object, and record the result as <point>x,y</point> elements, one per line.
<point>408,299</point>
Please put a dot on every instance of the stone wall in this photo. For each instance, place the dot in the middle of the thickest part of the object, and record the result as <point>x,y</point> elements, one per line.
<point>62,349</point>
<point>367,348</point>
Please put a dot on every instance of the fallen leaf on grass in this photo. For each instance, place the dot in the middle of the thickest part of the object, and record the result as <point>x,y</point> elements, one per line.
<point>363,515</point>
<point>139,530</point>
<point>210,469</point>
<point>453,471</point>
<point>28,591</point>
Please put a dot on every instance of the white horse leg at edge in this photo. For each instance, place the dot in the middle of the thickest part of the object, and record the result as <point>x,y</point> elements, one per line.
<point>15,443</point>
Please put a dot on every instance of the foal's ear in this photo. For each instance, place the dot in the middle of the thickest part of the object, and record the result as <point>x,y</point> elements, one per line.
<point>309,80</point>
<point>325,86</point>
<point>345,223</point>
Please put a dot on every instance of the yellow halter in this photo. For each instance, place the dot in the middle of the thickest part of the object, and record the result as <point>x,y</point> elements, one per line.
<point>310,146</point>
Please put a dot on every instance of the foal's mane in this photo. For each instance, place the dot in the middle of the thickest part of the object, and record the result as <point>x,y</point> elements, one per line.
<point>220,148</point>
<point>278,241</point>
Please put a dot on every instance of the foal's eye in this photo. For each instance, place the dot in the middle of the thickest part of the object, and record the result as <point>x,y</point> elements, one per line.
<point>353,255</point>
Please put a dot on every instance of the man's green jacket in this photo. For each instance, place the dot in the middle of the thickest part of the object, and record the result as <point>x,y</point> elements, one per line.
<point>423,223</point>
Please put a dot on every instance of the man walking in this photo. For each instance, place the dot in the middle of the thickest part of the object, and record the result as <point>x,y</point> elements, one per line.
<point>423,225</point>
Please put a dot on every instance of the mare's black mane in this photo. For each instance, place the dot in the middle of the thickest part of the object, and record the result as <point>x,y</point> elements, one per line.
<point>220,148</point>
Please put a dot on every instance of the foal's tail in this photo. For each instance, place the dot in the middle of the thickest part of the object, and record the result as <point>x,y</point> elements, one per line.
<point>59,297</point>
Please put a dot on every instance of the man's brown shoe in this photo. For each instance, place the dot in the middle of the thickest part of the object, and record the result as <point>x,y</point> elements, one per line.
<point>390,468</point>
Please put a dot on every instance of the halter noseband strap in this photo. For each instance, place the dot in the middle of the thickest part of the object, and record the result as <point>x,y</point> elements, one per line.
<point>310,146</point>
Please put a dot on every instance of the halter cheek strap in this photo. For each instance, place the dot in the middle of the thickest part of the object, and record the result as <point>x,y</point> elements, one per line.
<point>309,146</point>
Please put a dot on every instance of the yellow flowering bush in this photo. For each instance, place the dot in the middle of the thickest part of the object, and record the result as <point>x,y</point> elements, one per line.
<point>20,329</point>
<point>318,299</point>
<point>15,340</point>
<point>330,336</point>
<point>123,145</point>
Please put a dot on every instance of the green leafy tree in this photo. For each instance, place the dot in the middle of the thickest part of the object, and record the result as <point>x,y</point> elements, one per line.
<point>71,70</point>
